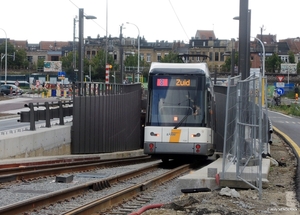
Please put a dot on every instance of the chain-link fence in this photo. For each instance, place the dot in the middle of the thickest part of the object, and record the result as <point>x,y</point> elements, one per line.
<point>246,134</point>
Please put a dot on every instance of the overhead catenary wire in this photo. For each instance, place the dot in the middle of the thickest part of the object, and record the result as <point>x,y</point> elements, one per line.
<point>178,20</point>
<point>92,19</point>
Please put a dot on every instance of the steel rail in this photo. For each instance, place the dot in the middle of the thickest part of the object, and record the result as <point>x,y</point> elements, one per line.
<point>53,197</point>
<point>54,169</point>
<point>109,201</point>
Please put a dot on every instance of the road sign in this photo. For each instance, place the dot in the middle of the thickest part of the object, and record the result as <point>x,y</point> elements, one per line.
<point>17,83</point>
<point>280,78</point>
<point>280,84</point>
<point>280,91</point>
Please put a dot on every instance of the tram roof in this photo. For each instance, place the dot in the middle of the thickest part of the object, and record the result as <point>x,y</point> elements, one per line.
<point>179,68</point>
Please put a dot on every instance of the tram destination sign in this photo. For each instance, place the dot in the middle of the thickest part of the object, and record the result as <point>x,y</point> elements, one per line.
<point>175,82</point>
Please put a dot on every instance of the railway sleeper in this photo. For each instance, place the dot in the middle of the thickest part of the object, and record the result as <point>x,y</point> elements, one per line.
<point>101,185</point>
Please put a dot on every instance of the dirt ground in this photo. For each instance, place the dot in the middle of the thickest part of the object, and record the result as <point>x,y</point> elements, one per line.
<point>278,198</point>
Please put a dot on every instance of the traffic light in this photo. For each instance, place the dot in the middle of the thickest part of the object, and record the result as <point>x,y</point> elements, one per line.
<point>110,66</point>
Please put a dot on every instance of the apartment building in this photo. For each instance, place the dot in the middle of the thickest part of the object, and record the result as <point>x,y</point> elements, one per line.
<point>203,47</point>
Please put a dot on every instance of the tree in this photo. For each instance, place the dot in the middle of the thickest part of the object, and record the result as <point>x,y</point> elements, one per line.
<point>172,57</point>
<point>273,63</point>
<point>227,65</point>
<point>67,63</point>
<point>20,61</point>
<point>98,65</point>
<point>132,61</point>
<point>291,57</point>
<point>40,65</point>
<point>298,68</point>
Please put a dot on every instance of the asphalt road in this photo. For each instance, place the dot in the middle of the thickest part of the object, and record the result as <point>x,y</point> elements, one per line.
<point>16,104</point>
<point>287,124</point>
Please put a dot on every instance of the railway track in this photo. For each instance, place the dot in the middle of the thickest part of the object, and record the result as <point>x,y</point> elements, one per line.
<point>99,205</point>
<point>137,194</point>
<point>11,172</point>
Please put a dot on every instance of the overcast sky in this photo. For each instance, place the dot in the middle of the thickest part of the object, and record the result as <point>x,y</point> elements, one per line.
<point>41,20</point>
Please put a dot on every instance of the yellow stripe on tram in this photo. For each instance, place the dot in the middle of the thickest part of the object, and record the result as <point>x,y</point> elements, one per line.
<point>175,136</point>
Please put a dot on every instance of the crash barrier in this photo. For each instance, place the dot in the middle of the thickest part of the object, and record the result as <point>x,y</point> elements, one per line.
<point>51,110</point>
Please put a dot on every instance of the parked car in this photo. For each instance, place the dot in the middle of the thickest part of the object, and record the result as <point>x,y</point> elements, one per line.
<point>7,89</point>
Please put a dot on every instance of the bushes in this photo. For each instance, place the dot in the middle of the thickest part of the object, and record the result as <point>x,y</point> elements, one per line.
<point>292,109</point>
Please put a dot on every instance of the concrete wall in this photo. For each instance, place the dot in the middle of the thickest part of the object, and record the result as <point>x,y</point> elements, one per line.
<point>42,142</point>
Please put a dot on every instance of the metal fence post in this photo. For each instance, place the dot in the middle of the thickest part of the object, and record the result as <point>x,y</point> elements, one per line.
<point>48,124</point>
<point>61,113</point>
<point>31,116</point>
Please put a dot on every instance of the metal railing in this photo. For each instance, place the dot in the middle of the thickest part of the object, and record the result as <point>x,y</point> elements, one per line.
<point>50,111</point>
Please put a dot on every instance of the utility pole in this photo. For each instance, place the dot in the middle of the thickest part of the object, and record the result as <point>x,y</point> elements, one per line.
<point>74,49</point>
<point>80,48</point>
<point>232,56</point>
<point>248,55</point>
<point>121,53</point>
<point>106,49</point>
<point>243,43</point>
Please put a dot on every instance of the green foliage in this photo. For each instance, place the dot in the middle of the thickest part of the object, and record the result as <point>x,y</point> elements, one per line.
<point>290,95</point>
<point>67,63</point>
<point>98,65</point>
<point>40,63</point>
<point>272,63</point>
<point>131,60</point>
<point>20,61</point>
<point>292,109</point>
<point>227,65</point>
<point>291,57</point>
<point>298,68</point>
<point>172,57</point>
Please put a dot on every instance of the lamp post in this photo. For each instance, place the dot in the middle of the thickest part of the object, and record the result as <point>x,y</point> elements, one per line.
<point>138,69</point>
<point>214,68</point>
<point>5,76</point>
<point>81,45</point>
<point>121,53</point>
<point>75,70</point>
<point>263,57</point>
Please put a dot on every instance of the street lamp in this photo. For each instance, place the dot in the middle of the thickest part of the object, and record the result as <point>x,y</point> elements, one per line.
<point>138,69</point>
<point>81,43</point>
<point>263,57</point>
<point>5,56</point>
<point>214,68</point>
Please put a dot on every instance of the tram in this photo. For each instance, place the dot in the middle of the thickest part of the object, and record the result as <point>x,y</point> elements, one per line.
<point>180,118</point>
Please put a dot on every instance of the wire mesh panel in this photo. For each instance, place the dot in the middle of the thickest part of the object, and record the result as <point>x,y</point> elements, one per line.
<point>230,122</point>
<point>246,131</point>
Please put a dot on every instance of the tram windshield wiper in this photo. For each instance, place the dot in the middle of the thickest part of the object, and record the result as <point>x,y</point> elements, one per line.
<point>188,112</point>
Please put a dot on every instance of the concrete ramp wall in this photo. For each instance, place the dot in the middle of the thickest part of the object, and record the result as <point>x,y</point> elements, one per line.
<point>42,142</point>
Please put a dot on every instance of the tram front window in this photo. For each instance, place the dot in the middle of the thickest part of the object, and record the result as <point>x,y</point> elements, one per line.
<point>171,106</point>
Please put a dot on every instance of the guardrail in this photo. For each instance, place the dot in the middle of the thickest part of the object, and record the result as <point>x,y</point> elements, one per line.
<point>52,110</point>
